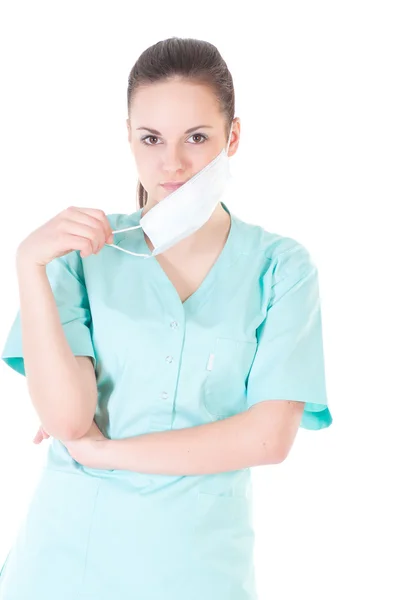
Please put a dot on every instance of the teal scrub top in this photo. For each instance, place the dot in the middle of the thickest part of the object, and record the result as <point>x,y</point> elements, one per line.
<point>252,332</point>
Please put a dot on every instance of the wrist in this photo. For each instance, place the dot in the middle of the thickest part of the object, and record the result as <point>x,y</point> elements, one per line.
<point>105,454</point>
<point>25,265</point>
<point>24,257</point>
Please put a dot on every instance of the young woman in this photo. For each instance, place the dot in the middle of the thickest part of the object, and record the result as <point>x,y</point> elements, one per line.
<point>161,380</point>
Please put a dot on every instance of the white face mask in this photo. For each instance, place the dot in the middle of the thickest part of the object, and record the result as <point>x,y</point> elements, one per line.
<point>186,209</point>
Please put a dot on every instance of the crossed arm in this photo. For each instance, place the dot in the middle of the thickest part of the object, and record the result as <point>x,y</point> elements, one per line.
<point>264,434</point>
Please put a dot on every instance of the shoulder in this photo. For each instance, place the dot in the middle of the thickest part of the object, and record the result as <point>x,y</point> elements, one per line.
<point>272,249</point>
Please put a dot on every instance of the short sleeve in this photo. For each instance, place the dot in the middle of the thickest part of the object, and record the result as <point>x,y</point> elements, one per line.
<point>289,361</point>
<point>66,278</point>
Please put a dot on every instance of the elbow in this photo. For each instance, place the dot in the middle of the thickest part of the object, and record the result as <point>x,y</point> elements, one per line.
<point>282,449</point>
<point>65,429</point>
<point>273,454</point>
<point>280,455</point>
<point>71,434</point>
<point>70,419</point>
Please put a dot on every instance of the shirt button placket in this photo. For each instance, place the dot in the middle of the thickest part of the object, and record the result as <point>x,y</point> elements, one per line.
<point>162,415</point>
<point>169,358</point>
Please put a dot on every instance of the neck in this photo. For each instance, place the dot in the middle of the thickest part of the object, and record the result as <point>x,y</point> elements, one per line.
<point>218,225</point>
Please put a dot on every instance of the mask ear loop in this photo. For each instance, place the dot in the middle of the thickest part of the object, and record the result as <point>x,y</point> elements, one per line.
<point>127,229</point>
<point>229,137</point>
<point>122,249</point>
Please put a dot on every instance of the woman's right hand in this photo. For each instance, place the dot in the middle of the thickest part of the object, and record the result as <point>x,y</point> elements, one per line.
<point>83,229</point>
<point>40,436</point>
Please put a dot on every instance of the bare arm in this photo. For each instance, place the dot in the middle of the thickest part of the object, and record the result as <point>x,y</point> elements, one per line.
<point>62,386</point>
<point>262,435</point>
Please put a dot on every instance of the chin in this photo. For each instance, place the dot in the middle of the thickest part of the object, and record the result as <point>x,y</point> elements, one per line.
<point>158,196</point>
<point>153,201</point>
<point>163,195</point>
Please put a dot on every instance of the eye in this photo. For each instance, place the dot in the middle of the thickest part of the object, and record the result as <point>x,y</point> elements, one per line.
<point>200,135</point>
<point>152,137</point>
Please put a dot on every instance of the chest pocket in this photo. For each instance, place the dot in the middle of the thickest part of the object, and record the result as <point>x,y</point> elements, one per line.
<point>227,368</point>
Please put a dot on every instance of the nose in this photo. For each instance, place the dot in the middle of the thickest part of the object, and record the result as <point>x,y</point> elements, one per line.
<point>173,160</point>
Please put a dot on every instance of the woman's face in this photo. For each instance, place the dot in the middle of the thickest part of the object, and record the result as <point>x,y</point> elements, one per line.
<point>175,129</point>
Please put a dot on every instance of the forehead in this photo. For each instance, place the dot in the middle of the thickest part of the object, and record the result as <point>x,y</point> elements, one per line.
<point>168,105</point>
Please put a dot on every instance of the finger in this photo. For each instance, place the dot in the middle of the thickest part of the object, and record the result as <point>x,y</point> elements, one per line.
<point>38,437</point>
<point>95,229</point>
<point>99,214</point>
<point>72,242</point>
<point>95,235</point>
<point>102,216</point>
<point>91,217</point>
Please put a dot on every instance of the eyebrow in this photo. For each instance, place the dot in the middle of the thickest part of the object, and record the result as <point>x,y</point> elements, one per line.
<point>156,132</point>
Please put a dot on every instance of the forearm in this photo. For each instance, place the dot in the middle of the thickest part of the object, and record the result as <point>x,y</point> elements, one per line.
<point>53,374</point>
<point>225,445</point>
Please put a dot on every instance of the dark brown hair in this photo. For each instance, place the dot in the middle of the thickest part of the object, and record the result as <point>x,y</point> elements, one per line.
<point>194,60</point>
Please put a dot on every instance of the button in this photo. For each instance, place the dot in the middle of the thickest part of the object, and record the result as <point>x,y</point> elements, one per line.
<point>164,395</point>
<point>173,324</point>
<point>169,359</point>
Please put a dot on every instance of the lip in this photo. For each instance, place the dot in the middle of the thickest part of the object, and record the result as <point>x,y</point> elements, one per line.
<point>172,186</point>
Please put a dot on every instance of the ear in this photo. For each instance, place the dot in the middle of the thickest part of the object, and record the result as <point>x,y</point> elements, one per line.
<point>128,130</point>
<point>235,137</point>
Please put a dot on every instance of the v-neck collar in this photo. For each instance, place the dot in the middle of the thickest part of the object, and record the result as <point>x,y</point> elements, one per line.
<point>136,242</point>
<point>217,277</point>
<point>199,295</point>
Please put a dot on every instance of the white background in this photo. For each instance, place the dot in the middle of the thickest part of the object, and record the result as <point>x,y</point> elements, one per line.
<point>316,92</point>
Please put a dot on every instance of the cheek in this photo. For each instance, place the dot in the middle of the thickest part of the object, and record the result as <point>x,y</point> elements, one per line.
<point>147,167</point>
<point>205,153</point>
